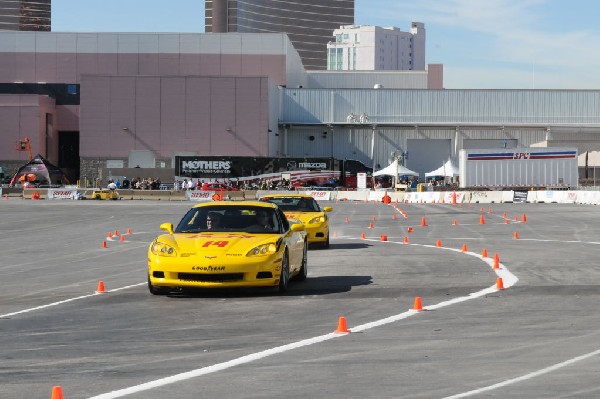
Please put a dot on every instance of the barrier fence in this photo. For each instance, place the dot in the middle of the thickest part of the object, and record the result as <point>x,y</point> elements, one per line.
<point>426,197</point>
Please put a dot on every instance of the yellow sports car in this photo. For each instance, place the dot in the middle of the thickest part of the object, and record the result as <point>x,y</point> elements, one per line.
<point>228,244</point>
<point>305,208</point>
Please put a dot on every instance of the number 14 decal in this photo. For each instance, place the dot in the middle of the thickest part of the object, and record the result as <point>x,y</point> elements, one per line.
<point>220,244</point>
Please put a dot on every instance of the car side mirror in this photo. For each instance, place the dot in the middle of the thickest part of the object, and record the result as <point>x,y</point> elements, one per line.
<point>167,227</point>
<point>327,209</point>
<point>297,227</point>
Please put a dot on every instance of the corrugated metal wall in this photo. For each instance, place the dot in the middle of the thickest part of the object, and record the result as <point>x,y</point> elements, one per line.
<point>495,118</point>
<point>443,106</point>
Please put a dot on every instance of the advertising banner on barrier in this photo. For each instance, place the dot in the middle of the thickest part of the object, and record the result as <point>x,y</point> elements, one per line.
<point>319,195</point>
<point>520,197</point>
<point>57,193</point>
<point>195,195</point>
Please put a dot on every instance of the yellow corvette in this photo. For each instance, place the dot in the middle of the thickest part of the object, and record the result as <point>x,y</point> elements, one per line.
<point>228,244</point>
<point>305,208</point>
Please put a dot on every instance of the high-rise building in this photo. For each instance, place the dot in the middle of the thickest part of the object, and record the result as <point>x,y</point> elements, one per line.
<point>24,15</point>
<point>308,23</point>
<point>370,48</point>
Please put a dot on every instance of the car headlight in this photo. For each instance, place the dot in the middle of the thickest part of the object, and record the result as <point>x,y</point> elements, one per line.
<point>265,249</point>
<point>162,249</point>
<point>318,219</point>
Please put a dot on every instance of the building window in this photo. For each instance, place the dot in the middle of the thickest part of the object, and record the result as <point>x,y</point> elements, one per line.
<point>338,38</point>
<point>356,38</point>
<point>346,36</point>
<point>340,59</point>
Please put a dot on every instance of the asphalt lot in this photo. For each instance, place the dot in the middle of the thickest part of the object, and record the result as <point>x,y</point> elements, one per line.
<point>539,338</point>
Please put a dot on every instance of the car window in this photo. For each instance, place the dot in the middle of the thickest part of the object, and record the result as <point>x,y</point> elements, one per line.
<point>298,204</point>
<point>245,219</point>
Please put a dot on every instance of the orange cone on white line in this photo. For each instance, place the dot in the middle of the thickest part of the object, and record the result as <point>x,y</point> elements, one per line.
<point>418,305</point>
<point>342,328</point>
<point>100,288</point>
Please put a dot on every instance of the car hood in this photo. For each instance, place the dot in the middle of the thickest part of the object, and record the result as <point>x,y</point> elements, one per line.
<point>189,244</point>
<point>304,217</point>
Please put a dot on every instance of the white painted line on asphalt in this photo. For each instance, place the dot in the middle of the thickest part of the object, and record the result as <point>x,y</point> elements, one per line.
<point>66,301</point>
<point>510,280</point>
<point>526,376</point>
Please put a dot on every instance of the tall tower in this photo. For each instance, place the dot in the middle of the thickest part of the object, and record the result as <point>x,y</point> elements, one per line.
<point>25,15</point>
<point>308,23</point>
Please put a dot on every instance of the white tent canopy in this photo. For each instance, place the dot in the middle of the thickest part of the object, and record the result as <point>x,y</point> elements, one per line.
<point>395,169</point>
<point>446,170</point>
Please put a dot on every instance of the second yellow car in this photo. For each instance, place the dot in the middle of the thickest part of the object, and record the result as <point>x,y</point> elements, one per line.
<point>305,208</point>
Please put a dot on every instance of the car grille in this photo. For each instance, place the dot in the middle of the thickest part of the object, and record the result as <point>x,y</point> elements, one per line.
<point>210,278</point>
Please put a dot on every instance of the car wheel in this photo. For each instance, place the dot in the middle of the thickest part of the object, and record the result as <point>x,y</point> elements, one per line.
<point>284,278</point>
<point>154,290</point>
<point>97,196</point>
<point>326,243</point>
<point>301,276</point>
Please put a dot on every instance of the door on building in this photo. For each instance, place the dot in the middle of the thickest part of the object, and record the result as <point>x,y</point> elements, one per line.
<point>68,154</point>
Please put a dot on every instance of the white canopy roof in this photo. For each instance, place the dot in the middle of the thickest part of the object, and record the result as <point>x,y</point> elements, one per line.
<point>447,170</point>
<point>395,169</point>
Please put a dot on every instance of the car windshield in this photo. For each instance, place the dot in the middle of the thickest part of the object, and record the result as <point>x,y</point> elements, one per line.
<point>247,219</point>
<point>298,204</point>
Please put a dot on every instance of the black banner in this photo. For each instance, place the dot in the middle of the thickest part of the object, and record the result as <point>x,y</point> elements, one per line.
<point>520,196</point>
<point>236,167</point>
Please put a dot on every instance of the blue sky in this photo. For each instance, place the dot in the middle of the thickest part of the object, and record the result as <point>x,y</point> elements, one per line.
<point>483,44</point>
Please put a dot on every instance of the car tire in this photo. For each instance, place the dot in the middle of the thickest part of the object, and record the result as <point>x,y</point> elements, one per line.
<point>97,196</point>
<point>326,243</point>
<point>301,276</point>
<point>154,290</point>
<point>284,278</point>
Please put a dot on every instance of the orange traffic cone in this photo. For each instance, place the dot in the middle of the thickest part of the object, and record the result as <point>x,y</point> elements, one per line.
<point>454,223</point>
<point>122,238</point>
<point>347,220</point>
<point>335,234</point>
<point>515,235</point>
<point>410,229</point>
<point>506,221</point>
<point>524,218</point>
<point>109,235</point>
<point>104,245</point>
<point>116,233</point>
<point>418,305</point>
<point>489,211</point>
<point>342,328</point>
<point>405,240</point>
<point>128,231</point>
<point>484,253</point>
<point>363,236</point>
<point>373,218</point>
<point>383,237</point>
<point>423,222</point>
<point>57,392</point>
<point>100,288</point>
<point>370,225</point>
<point>438,243</point>
<point>504,215</point>
<point>464,248</point>
<point>394,216</point>
<point>499,283</point>
<point>496,261</point>
<point>481,219</point>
